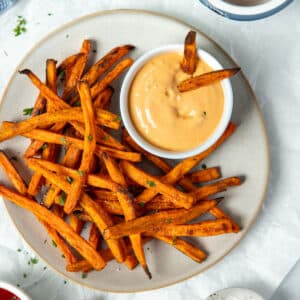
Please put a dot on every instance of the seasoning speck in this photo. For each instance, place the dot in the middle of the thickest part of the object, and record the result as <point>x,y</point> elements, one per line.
<point>54,244</point>
<point>151,183</point>
<point>84,275</point>
<point>34,261</point>
<point>168,220</point>
<point>203,166</point>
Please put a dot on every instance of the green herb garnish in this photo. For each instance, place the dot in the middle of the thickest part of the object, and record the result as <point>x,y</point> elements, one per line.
<point>34,261</point>
<point>62,198</point>
<point>19,250</point>
<point>54,244</point>
<point>20,28</point>
<point>63,256</point>
<point>62,75</point>
<point>168,220</point>
<point>24,275</point>
<point>44,146</point>
<point>64,141</point>
<point>27,111</point>
<point>90,137</point>
<point>204,166</point>
<point>69,179</point>
<point>50,14</point>
<point>151,183</point>
<point>142,204</point>
<point>44,268</point>
<point>77,103</point>
<point>174,240</point>
<point>65,281</point>
<point>14,158</point>
<point>80,172</point>
<point>117,119</point>
<point>84,275</point>
<point>105,137</point>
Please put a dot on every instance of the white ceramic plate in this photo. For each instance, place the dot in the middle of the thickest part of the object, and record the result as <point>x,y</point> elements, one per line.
<point>246,153</point>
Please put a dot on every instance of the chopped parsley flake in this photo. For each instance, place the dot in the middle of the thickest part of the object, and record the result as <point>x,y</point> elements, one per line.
<point>174,240</point>
<point>204,166</point>
<point>69,179</point>
<point>63,140</point>
<point>62,75</point>
<point>62,198</point>
<point>44,268</point>
<point>24,275</point>
<point>34,261</point>
<point>63,256</point>
<point>117,119</point>
<point>90,137</point>
<point>80,172</point>
<point>141,204</point>
<point>44,146</point>
<point>84,275</point>
<point>50,14</point>
<point>151,183</point>
<point>27,111</point>
<point>65,281</point>
<point>105,137</point>
<point>168,220</point>
<point>77,103</point>
<point>54,244</point>
<point>20,28</point>
<point>19,250</point>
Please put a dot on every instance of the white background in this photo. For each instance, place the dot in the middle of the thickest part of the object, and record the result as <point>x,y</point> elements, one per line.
<point>269,53</point>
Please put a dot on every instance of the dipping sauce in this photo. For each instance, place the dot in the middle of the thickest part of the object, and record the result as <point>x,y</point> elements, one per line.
<point>167,118</point>
<point>6,295</point>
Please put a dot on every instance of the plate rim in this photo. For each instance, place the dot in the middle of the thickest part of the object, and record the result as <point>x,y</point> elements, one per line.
<point>261,118</point>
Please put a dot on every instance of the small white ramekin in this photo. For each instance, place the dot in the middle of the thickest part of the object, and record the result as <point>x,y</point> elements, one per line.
<point>13,289</point>
<point>142,142</point>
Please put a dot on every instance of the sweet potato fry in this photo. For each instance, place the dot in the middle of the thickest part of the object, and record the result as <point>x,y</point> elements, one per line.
<point>77,69</point>
<point>190,58</point>
<point>218,213</point>
<point>94,236</point>
<point>63,247</point>
<point>205,79</point>
<point>216,187</point>
<point>113,207</point>
<point>156,185</point>
<point>96,180</point>
<point>102,137</point>
<point>183,246</point>
<point>12,173</point>
<point>50,137</point>
<point>105,195</point>
<point>89,146</point>
<point>127,204</point>
<point>205,228</point>
<point>105,63</point>
<point>103,98</point>
<point>76,241</point>
<point>205,175</point>
<point>67,63</point>
<point>110,76</point>
<point>143,224</point>
<point>75,223</point>
<point>94,210</point>
<point>186,165</point>
<point>74,114</point>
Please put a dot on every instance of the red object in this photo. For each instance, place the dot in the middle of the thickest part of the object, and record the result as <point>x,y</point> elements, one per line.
<point>7,295</point>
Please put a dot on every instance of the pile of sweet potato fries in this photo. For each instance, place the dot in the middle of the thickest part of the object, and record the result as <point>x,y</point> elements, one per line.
<point>91,177</point>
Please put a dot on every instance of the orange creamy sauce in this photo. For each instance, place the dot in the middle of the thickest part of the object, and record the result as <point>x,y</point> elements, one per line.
<point>167,118</point>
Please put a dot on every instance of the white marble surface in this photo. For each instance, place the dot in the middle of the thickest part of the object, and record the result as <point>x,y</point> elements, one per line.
<point>269,53</point>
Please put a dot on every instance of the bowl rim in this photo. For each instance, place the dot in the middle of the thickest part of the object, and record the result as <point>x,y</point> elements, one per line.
<point>247,10</point>
<point>142,142</point>
<point>15,290</point>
